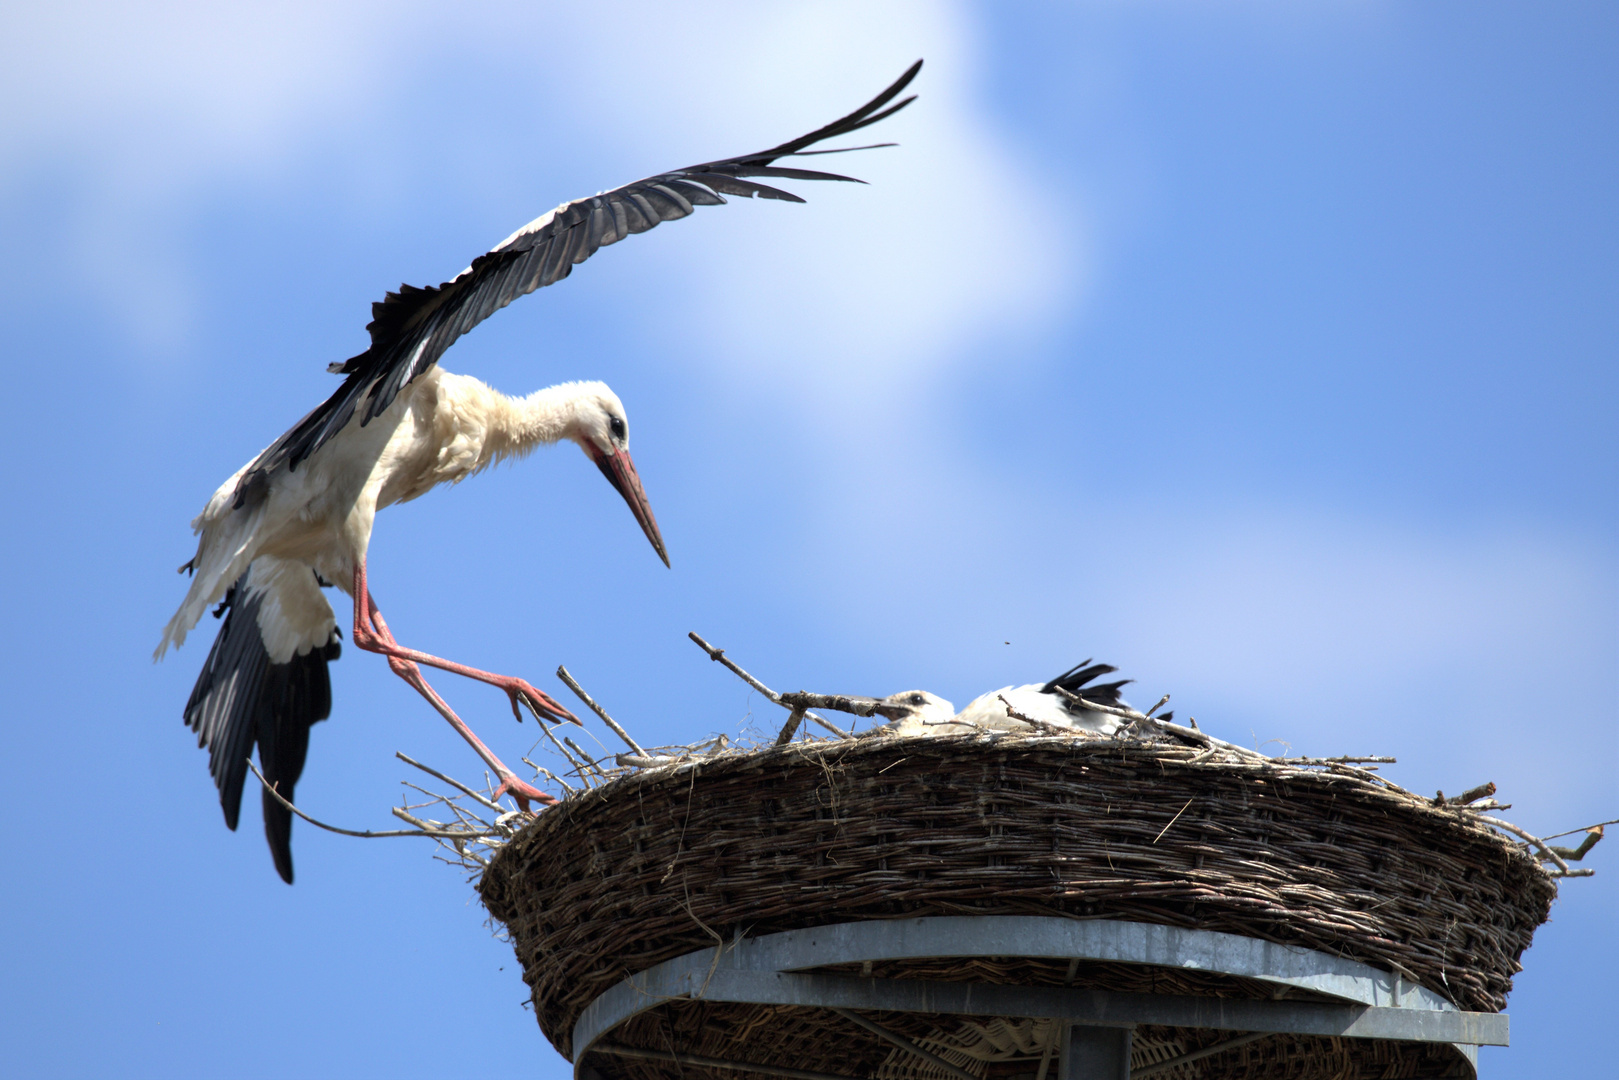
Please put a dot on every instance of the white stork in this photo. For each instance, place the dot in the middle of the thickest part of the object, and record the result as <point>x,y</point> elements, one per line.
<point>299,516</point>
<point>917,712</point>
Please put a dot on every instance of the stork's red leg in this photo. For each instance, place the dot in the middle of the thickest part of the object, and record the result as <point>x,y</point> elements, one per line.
<point>371,633</point>
<point>509,783</point>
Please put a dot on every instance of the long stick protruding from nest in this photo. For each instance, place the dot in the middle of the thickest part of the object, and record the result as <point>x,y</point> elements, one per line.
<point>1598,827</point>
<point>858,706</point>
<point>579,692</point>
<point>458,785</point>
<point>368,834</point>
<point>719,656</point>
<point>1547,854</point>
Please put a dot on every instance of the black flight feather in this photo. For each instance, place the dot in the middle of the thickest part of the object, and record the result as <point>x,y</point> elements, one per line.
<point>1074,679</point>
<point>410,329</point>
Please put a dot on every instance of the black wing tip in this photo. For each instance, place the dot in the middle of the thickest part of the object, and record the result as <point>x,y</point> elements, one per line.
<point>1080,674</point>
<point>393,318</point>
<point>894,89</point>
<point>846,150</point>
<point>885,114</point>
<point>1106,693</point>
<point>870,113</point>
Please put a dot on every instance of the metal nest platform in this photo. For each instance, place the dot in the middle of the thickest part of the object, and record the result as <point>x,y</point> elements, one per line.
<point>1014,908</point>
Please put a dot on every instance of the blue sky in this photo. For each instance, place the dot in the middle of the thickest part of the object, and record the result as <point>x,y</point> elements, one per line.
<point>1263,349</point>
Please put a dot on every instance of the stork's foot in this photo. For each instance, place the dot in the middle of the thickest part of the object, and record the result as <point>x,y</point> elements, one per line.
<point>537,701</point>
<point>523,793</point>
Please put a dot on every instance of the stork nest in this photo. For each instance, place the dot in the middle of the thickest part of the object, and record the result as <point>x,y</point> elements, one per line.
<point>659,862</point>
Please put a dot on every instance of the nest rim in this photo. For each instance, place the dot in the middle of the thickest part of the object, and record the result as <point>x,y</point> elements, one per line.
<point>563,878</point>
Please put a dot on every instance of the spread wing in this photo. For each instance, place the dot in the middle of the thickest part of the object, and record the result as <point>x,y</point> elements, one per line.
<point>411,328</point>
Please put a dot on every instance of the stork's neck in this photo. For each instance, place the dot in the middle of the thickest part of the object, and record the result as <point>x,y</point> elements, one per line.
<point>516,425</point>
<point>543,417</point>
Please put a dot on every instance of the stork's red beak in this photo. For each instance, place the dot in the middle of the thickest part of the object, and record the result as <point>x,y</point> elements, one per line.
<point>620,472</point>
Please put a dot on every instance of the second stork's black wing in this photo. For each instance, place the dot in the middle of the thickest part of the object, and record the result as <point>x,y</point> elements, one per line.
<point>1074,681</point>
<point>410,329</point>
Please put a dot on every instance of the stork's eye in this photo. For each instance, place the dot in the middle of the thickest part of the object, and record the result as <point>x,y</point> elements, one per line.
<point>615,424</point>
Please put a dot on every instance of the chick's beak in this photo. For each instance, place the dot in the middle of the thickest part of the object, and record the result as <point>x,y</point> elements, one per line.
<point>619,469</point>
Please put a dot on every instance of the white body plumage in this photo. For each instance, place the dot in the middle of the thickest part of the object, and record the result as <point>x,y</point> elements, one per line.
<point>318,518</point>
<point>1012,708</point>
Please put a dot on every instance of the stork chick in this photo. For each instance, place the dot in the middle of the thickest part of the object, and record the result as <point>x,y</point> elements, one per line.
<point>928,714</point>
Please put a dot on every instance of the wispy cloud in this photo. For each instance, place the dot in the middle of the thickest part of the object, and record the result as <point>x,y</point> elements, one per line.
<point>156,108</point>
<point>883,290</point>
<point>1334,631</point>
<point>149,109</point>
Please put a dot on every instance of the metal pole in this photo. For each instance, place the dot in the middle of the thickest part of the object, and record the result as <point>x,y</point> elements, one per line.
<point>1096,1053</point>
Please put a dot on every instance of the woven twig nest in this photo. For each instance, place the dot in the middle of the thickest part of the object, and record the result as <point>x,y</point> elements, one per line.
<point>663,862</point>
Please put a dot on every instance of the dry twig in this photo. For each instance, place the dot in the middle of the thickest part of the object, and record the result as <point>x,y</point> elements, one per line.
<point>1172,820</point>
<point>496,807</point>
<point>367,834</point>
<point>586,761</point>
<point>579,692</point>
<point>858,706</point>
<point>1575,854</point>
<point>1585,829</point>
<point>551,776</point>
<point>1548,855</point>
<point>719,656</point>
<point>790,728</point>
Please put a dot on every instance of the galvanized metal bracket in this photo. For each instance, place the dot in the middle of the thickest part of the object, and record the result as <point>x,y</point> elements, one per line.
<point>771,970</point>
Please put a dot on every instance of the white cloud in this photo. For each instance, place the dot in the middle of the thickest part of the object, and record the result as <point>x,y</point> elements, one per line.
<point>1472,653</point>
<point>871,291</point>
<point>161,88</point>
<point>1272,595</point>
<point>1279,614</point>
<point>149,108</point>
<point>158,107</point>
<point>1476,655</point>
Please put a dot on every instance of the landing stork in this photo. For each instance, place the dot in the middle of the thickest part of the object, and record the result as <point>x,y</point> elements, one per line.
<point>299,516</point>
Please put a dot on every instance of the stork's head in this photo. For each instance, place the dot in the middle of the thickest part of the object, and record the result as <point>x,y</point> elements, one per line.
<point>602,430</point>
<point>917,707</point>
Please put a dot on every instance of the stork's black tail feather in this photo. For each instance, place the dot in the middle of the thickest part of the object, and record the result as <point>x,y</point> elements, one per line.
<point>242,698</point>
